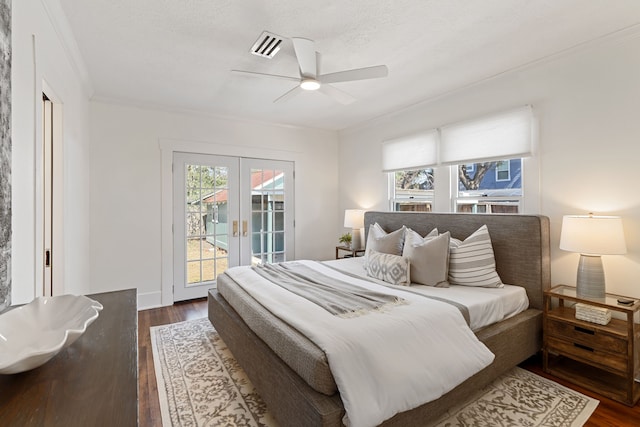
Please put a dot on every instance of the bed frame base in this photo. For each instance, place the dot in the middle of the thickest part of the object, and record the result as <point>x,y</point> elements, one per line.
<point>293,403</point>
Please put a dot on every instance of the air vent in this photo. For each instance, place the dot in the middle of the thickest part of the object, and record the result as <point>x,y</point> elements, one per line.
<point>267,45</point>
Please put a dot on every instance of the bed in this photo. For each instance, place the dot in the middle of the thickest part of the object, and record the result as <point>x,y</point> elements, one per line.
<point>283,369</point>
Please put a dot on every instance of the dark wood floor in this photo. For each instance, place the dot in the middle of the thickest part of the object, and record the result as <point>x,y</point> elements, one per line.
<point>148,405</point>
<point>608,412</point>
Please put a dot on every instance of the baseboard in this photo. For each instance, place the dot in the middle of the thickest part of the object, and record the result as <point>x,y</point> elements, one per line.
<point>149,300</point>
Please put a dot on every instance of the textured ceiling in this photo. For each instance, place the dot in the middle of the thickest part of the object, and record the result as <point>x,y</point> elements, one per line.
<point>177,54</point>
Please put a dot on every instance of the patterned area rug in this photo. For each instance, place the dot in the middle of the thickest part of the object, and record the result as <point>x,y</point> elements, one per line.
<point>201,384</point>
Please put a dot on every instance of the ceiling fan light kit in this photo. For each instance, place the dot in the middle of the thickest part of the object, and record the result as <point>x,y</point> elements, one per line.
<point>310,78</point>
<point>310,84</point>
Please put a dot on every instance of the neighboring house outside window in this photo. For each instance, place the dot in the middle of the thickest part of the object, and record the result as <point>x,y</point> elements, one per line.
<point>479,188</point>
<point>503,171</point>
<point>493,187</point>
<point>479,165</point>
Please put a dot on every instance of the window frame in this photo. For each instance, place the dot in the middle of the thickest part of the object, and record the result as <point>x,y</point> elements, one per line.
<point>487,201</point>
<point>445,190</point>
<point>423,197</point>
<point>469,138</point>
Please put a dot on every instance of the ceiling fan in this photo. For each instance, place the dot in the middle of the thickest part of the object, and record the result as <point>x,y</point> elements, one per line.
<point>310,78</point>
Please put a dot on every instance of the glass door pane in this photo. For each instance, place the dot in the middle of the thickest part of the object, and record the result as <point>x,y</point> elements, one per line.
<point>206,189</point>
<point>270,210</point>
<point>206,207</point>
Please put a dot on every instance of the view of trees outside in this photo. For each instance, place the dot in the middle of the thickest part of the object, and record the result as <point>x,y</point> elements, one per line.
<point>421,179</point>
<point>414,190</point>
<point>470,177</point>
<point>201,181</point>
<point>204,260</point>
<point>469,182</point>
<point>490,187</point>
<point>497,182</point>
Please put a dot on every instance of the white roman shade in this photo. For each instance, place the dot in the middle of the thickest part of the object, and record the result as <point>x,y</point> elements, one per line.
<point>410,152</point>
<point>505,135</point>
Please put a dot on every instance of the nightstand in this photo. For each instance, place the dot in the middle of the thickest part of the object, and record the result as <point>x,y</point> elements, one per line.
<point>601,358</point>
<point>352,252</point>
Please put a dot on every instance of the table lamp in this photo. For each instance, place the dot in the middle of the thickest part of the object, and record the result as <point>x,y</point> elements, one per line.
<point>592,236</point>
<point>354,219</point>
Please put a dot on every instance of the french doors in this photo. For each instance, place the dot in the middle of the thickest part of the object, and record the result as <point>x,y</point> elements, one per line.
<point>228,211</point>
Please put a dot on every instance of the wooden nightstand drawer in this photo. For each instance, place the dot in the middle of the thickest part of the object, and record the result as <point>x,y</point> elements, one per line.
<point>616,364</point>
<point>592,337</point>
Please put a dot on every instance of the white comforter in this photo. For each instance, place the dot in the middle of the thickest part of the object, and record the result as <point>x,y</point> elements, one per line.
<point>383,362</point>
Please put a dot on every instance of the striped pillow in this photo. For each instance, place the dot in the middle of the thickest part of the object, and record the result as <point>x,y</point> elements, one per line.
<point>472,262</point>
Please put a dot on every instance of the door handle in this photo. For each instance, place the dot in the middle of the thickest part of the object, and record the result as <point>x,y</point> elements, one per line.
<point>244,228</point>
<point>235,228</point>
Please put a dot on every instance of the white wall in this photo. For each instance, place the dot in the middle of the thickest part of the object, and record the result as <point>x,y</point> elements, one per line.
<point>51,64</point>
<point>588,103</point>
<point>126,196</point>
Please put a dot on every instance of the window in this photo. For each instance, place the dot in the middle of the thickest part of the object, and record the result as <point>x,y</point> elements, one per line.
<point>412,190</point>
<point>472,166</point>
<point>503,171</point>
<point>489,187</point>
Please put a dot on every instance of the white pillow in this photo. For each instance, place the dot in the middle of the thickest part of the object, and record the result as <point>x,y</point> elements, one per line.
<point>428,257</point>
<point>392,269</point>
<point>472,261</point>
<point>416,237</point>
<point>380,241</point>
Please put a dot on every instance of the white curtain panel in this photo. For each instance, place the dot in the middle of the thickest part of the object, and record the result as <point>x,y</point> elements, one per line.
<point>505,135</point>
<point>410,152</point>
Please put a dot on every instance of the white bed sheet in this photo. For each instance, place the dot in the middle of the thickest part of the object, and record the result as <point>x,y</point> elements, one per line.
<point>486,305</point>
<point>396,344</point>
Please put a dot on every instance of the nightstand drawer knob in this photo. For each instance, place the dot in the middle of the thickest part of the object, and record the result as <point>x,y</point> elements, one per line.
<point>583,347</point>
<point>584,330</point>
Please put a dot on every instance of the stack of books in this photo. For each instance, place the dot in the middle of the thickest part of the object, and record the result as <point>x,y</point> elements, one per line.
<point>592,314</point>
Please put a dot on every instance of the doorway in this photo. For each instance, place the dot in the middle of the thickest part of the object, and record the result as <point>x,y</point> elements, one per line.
<point>228,211</point>
<point>48,132</point>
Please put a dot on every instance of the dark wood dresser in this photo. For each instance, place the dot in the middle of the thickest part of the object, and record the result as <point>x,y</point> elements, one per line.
<point>93,382</point>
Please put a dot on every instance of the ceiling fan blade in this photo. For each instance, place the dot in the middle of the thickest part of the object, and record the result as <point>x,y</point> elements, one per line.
<point>355,74</point>
<point>318,62</point>
<point>306,54</point>
<point>337,94</point>
<point>292,93</point>
<point>271,76</point>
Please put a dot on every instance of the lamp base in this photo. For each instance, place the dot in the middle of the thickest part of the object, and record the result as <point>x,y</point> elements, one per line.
<point>356,241</point>
<point>590,282</point>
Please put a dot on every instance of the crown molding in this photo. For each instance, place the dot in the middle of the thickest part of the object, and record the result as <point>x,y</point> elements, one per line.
<point>68,41</point>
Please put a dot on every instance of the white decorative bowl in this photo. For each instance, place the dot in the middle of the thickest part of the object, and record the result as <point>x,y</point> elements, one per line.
<point>32,334</point>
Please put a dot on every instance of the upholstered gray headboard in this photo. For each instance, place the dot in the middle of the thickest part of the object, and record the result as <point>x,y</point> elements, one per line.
<point>520,242</point>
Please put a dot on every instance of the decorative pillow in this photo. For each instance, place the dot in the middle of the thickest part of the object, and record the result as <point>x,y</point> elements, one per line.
<point>381,241</point>
<point>429,258</point>
<point>392,269</point>
<point>472,262</point>
<point>416,237</point>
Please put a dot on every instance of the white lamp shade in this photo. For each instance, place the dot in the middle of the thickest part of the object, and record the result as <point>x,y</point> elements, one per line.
<point>354,218</point>
<point>593,235</point>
